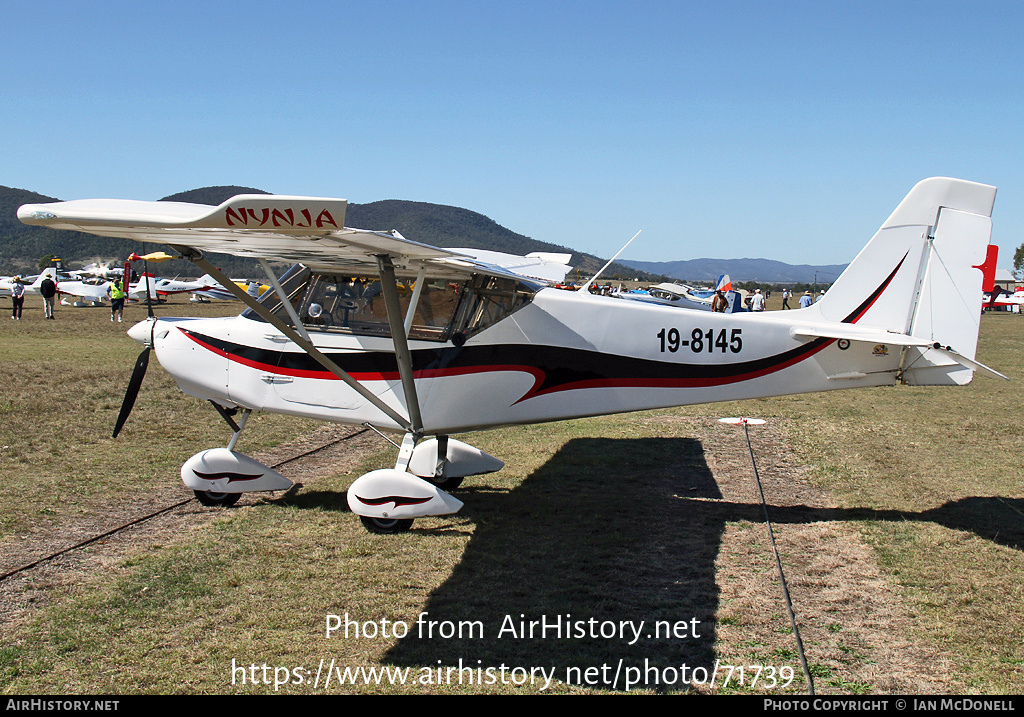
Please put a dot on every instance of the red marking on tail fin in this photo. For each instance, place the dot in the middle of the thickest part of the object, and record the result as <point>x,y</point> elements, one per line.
<point>988,269</point>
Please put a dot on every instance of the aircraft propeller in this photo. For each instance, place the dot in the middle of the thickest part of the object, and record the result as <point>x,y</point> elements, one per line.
<point>134,383</point>
<point>141,363</point>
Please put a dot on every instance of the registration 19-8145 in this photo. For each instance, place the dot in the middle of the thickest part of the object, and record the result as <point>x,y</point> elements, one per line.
<point>723,340</point>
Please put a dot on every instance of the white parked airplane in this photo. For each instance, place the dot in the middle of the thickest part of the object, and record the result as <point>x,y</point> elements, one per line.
<point>83,291</point>
<point>30,283</point>
<point>372,328</point>
<point>1004,300</point>
<point>168,287</point>
<point>682,296</point>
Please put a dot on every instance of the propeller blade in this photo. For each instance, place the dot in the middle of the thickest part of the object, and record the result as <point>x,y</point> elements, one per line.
<point>132,393</point>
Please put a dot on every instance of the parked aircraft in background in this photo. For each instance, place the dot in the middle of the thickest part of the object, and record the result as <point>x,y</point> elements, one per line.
<point>1001,299</point>
<point>31,283</point>
<point>169,287</point>
<point>682,296</point>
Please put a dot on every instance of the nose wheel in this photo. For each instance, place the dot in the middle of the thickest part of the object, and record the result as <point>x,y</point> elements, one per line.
<point>213,499</point>
<point>385,526</point>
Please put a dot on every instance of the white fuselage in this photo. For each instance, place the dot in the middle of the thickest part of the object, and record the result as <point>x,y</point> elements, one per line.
<point>563,355</point>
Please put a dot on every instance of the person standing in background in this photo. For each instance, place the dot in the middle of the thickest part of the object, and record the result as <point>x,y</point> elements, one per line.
<point>48,290</point>
<point>17,298</point>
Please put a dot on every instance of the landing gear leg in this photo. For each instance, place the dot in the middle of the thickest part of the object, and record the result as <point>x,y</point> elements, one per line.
<point>238,429</point>
<point>439,478</point>
<point>212,498</point>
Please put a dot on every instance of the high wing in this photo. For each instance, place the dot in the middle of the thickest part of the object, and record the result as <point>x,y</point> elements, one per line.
<point>307,230</point>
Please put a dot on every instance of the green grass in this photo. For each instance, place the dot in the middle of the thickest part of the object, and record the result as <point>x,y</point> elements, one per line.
<point>64,383</point>
<point>611,518</point>
<point>940,469</point>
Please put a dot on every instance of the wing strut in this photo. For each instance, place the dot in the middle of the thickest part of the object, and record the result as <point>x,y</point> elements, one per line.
<point>410,313</point>
<point>389,286</point>
<point>197,258</point>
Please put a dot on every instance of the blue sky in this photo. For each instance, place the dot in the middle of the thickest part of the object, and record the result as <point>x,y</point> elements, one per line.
<point>784,130</point>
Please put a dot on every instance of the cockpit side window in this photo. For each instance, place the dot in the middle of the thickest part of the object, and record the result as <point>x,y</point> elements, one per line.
<point>488,300</point>
<point>446,309</point>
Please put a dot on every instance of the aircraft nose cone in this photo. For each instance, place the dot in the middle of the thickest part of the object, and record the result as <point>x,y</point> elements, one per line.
<point>141,331</point>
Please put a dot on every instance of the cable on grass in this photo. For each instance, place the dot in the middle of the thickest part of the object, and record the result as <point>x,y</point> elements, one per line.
<point>745,422</point>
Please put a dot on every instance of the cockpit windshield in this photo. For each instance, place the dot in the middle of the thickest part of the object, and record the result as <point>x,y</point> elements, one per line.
<point>443,309</point>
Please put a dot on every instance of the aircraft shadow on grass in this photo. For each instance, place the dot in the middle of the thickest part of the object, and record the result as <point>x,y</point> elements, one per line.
<point>607,536</point>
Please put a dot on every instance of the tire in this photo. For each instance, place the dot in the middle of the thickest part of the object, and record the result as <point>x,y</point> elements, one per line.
<point>447,484</point>
<point>386,526</point>
<point>213,499</point>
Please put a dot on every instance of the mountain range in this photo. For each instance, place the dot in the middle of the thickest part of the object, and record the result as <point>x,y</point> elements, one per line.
<point>764,271</point>
<point>22,246</point>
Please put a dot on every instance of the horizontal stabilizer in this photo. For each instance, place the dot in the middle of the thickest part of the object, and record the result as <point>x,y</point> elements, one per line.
<point>853,333</point>
<point>879,336</point>
<point>970,363</point>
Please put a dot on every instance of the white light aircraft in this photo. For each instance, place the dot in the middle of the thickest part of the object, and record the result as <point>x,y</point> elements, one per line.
<point>30,283</point>
<point>168,287</point>
<point>97,270</point>
<point>372,328</point>
<point>206,287</point>
<point>1004,300</point>
<point>95,294</point>
<point>682,296</point>
<point>83,291</point>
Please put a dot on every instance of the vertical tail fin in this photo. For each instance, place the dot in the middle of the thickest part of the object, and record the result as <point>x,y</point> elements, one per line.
<point>921,275</point>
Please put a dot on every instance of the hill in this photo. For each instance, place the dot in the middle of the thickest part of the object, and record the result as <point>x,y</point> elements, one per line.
<point>22,246</point>
<point>760,270</point>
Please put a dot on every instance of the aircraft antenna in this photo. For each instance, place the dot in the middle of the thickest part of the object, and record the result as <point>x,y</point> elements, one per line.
<point>586,287</point>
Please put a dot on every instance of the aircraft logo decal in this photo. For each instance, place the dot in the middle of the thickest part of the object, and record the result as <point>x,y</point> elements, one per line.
<point>398,500</point>
<point>232,477</point>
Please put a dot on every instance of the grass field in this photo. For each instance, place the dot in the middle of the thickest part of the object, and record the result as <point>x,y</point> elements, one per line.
<point>619,519</point>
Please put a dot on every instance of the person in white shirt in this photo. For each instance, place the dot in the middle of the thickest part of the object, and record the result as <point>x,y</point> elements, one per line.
<point>757,301</point>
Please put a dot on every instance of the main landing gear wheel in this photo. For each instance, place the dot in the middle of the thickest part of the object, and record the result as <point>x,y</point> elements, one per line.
<point>213,499</point>
<point>447,483</point>
<point>386,526</point>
